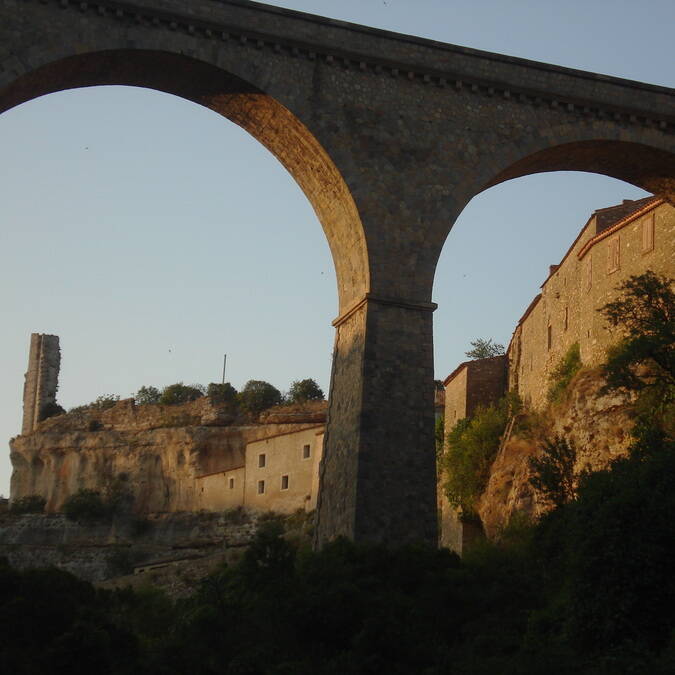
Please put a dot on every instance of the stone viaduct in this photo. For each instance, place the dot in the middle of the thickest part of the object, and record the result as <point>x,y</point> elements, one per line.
<point>389,136</point>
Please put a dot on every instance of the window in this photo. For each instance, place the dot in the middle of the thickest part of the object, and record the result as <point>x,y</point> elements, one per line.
<point>613,255</point>
<point>261,460</point>
<point>284,482</point>
<point>261,487</point>
<point>588,276</point>
<point>565,318</point>
<point>306,451</point>
<point>549,336</point>
<point>648,234</point>
<point>231,483</point>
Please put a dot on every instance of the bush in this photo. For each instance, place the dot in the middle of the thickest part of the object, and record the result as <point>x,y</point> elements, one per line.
<point>222,393</point>
<point>28,504</point>
<point>86,504</point>
<point>553,472</point>
<point>471,447</point>
<point>305,390</point>
<point>258,395</point>
<point>178,393</point>
<point>101,403</point>
<point>563,373</point>
<point>147,395</point>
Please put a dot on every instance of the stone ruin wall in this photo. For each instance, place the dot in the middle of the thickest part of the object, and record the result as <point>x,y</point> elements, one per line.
<point>41,379</point>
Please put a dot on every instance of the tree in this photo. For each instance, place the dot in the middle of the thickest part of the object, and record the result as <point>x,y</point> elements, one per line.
<point>146,395</point>
<point>305,390</point>
<point>222,393</point>
<point>484,349</point>
<point>644,360</point>
<point>181,393</point>
<point>258,395</point>
<point>553,472</point>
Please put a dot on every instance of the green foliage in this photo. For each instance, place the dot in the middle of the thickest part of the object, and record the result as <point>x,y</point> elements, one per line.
<point>484,349</point>
<point>563,373</point>
<point>222,393</point>
<point>28,504</point>
<point>553,474</point>
<point>439,436</point>
<point>258,395</point>
<point>471,447</point>
<point>644,315</point>
<point>305,390</point>
<point>85,504</point>
<point>147,395</point>
<point>50,410</point>
<point>101,403</point>
<point>178,393</point>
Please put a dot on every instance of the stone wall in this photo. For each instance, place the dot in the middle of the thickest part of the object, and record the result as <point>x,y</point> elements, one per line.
<point>41,379</point>
<point>474,383</point>
<point>282,470</point>
<point>566,312</point>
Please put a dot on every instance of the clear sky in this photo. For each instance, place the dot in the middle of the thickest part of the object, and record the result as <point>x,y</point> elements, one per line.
<point>153,236</point>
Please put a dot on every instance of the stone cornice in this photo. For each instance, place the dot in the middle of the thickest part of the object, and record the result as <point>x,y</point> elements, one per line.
<point>380,300</point>
<point>209,29</point>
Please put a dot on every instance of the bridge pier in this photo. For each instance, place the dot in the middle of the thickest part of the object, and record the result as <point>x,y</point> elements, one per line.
<point>378,472</point>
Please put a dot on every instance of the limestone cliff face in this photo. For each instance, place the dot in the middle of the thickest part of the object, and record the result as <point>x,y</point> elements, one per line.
<point>158,449</point>
<point>599,425</point>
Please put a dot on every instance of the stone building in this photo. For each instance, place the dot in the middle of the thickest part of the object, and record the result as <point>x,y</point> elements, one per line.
<point>473,383</point>
<point>280,473</point>
<point>615,243</point>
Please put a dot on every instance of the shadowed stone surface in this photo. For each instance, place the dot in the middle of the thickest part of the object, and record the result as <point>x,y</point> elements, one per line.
<point>389,136</point>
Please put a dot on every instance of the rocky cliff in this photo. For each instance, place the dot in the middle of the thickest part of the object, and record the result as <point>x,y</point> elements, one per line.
<point>598,424</point>
<point>157,449</point>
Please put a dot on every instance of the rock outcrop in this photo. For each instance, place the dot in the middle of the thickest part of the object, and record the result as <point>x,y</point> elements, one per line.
<point>598,424</point>
<point>157,449</point>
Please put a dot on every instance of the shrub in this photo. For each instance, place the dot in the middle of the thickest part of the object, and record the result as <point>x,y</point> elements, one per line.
<point>104,402</point>
<point>258,395</point>
<point>305,390</point>
<point>181,393</point>
<point>553,472</point>
<point>147,395</point>
<point>222,393</point>
<point>563,373</point>
<point>471,447</point>
<point>28,504</point>
<point>85,504</point>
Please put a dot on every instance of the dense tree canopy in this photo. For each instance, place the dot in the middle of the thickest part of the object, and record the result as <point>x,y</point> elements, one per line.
<point>483,349</point>
<point>305,390</point>
<point>258,395</point>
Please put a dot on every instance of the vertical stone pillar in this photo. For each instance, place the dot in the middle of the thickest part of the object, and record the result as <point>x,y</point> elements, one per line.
<point>41,379</point>
<point>378,473</point>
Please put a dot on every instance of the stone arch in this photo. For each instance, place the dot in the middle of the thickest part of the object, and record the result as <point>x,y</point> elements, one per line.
<point>645,166</point>
<point>261,115</point>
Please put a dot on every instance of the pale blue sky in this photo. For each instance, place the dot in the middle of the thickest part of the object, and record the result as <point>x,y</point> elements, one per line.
<point>152,235</point>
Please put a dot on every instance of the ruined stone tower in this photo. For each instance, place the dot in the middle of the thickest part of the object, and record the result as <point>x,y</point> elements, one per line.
<point>42,378</point>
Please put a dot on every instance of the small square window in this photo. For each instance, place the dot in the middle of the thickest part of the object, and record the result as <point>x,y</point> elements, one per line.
<point>261,487</point>
<point>231,483</point>
<point>306,451</point>
<point>284,482</point>
<point>261,460</point>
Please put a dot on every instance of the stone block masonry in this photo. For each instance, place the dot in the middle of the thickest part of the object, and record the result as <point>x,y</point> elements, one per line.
<point>42,378</point>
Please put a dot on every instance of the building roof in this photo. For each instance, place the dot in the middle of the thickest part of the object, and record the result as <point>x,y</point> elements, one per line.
<point>612,215</point>
<point>640,207</point>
